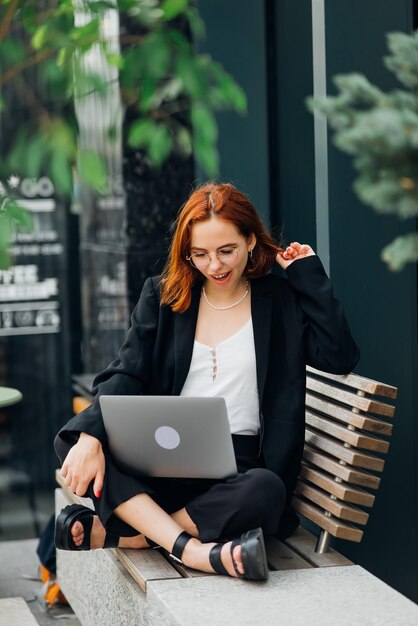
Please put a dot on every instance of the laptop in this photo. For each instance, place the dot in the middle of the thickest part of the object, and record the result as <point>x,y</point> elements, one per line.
<point>170,436</point>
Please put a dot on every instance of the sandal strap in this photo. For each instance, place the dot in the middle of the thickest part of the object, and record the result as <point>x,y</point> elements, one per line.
<point>215,559</point>
<point>111,541</point>
<point>84,515</point>
<point>236,542</point>
<point>180,544</point>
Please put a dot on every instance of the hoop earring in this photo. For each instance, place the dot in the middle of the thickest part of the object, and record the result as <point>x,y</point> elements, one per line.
<point>250,252</point>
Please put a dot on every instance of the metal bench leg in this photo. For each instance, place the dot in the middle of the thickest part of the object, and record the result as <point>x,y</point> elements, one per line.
<point>322,545</point>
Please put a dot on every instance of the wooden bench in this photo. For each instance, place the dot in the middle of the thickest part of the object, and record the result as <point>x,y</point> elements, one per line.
<point>347,426</point>
<point>346,433</point>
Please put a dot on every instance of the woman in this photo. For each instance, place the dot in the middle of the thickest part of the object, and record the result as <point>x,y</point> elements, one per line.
<point>216,322</point>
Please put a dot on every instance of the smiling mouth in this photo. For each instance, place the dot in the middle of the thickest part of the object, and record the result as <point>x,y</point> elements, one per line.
<point>220,276</point>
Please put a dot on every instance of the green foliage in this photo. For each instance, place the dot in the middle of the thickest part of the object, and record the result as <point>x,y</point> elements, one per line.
<point>12,217</point>
<point>175,90</point>
<point>380,130</point>
<point>91,169</point>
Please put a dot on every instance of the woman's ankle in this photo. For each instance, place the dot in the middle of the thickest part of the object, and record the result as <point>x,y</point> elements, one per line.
<point>192,551</point>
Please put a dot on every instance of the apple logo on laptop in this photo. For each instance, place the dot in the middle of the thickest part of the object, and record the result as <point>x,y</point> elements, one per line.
<point>167,437</point>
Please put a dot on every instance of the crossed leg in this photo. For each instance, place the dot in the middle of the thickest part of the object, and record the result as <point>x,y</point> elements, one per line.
<point>98,532</point>
<point>255,498</point>
<point>144,514</point>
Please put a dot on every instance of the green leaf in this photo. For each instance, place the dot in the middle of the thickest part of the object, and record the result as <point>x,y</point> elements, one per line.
<point>160,145</point>
<point>92,169</point>
<point>194,81</point>
<point>140,133</point>
<point>172,8</point>
<point>86,35</point>
<point>5,228</point>
<point>61,173</point>
<point>5,258</point>
<point>204,123</point>
<point>34,156</point>
<point>196,23</point>
<point>155,55</point>
<point>21,216</point>
<point>12,50</point>
<point>39,37</point>
<point>115,59</point>
<point>177,39</point>
<point>100,6</point>
<point>29,15</point>
<point>229,92</point>
<point>61,136</point>
<point>146,98</point>
<point>62,56</point>
<point>208,157</point>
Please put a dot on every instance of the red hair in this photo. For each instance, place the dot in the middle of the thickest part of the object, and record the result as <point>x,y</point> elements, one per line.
<point>212,200</point>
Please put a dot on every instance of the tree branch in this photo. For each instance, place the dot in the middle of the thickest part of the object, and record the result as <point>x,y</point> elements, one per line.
<point>5,23</point>
<point>19,67</point>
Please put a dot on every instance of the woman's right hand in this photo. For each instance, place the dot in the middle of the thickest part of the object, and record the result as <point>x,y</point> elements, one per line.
<point>84,462</point>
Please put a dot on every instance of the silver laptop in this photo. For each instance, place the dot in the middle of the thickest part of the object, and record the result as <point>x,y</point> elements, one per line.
<point>170,436</point>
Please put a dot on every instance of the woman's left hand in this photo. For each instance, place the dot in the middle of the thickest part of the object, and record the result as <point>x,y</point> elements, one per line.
<point>292,253</point>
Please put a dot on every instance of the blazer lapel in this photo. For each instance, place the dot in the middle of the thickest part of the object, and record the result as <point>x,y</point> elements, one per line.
<point>261,311</point>
<point>184,333</point>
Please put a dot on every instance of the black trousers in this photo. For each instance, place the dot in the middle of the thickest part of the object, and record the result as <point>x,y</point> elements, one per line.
<point>221,509</point>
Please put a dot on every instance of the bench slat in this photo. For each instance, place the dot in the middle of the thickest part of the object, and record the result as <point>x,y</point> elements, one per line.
<point>359,382</point>
<point>304,543</point>
<point>345,472</point>
<point>342,490</point>
<point>368,405</point>
<point>336,507</point>
<point>184,570</point>
<point>336,528</point>
<point>146,565</point>
<point>359,420</point>
<point>280,557</point>
<point>354,438</point>
<point>349,455</point>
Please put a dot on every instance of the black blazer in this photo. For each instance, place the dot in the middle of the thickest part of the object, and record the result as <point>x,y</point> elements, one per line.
<point>296,322</point>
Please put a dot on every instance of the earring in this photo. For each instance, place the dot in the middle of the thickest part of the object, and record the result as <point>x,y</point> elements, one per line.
<point>250,252</point>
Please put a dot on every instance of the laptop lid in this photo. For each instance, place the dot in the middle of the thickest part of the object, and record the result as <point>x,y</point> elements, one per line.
<point>170,436</point>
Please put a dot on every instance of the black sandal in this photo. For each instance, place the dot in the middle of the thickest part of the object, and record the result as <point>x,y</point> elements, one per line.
<point>65,521</point>
<point>253,552</point>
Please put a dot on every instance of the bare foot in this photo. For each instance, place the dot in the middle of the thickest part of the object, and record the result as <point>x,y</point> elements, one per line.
<point>98,534</point>
<point>196,555</point>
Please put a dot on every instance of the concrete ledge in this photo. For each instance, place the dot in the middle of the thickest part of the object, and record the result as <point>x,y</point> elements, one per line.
<point>99,589</point>
<point>347,596</point>
<point>103,593</point>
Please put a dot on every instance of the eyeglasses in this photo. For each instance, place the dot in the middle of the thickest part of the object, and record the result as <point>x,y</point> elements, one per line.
<point>201,260</point>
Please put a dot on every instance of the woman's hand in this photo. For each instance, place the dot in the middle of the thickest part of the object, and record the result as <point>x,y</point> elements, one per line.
<point>84,462</point>
<point>295,251</point>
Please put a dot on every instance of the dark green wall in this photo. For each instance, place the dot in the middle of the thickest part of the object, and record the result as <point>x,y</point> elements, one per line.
<point>291,72</point>
<point>383,304</point>
<point>235,37</point>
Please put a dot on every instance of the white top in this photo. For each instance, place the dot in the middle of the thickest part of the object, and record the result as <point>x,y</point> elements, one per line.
<point>228,370</point>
